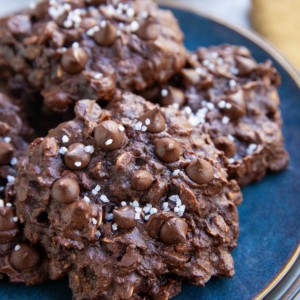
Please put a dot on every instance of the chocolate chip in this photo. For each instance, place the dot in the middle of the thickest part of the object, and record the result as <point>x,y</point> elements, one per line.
<point>148,30</point>
<point>24,257</point>
<point>167,149</point>
<point>124,217</point>
<point>172,95</point>
<point>190,77</point>
<point>6,152</point>
<point>61,18</point>
<point>74,60</point>
<point>141,180</point>
<point>6,219</point>
<point>106,35</point>
<point>238,105</point>
<point>245,65</point>
<point>200,171</point>
<point>77,214</point>
<point>174,231</point>
<point>109,136</point>
<point>154,120</point>
<point>76,157</point>
<point>65,190</point>
<point>156,222</point>
<point>57,100</point>
<point>226,145</point>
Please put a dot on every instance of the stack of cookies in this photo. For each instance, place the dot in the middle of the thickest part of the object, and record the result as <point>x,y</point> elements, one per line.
<point>121,153</point>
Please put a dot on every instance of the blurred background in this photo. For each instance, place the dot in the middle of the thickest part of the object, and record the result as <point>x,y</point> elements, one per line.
<point>277,20</point>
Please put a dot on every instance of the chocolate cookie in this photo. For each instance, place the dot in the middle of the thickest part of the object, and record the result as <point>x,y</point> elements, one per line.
<point>129,201</point>
<point>19,261</point>
<point>63,50</point>
<point>234,99</point>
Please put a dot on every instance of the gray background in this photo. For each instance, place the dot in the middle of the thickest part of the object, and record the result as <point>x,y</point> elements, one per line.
<point>235,11</point>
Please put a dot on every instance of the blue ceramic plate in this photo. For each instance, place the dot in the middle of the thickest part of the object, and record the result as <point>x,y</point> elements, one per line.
<point>269,215</point>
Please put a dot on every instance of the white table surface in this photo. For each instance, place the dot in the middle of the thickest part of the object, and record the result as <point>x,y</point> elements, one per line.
<point>235,11</point>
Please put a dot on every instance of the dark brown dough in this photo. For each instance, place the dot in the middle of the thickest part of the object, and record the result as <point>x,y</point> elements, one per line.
<point>19,260</point>
<point>141,222</point>
<point>234,99</point>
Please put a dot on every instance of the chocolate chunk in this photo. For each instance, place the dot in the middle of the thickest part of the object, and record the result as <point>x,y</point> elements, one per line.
<point>172,95</point>
<point>77,214</point>
<point>109,136</point>
<point>6,152</point>
<point>76,157</point>
<point>157,191</point>
<point>156,222</point>
<point>148,30</point>
<point>6,219</point>
<point>167,149</point>
<point>200,171</point>
<point>124,217</point>
<point>226,145</point>
<point>245,65</point>
<point>154,120</point>
<point>24,257</point>
<point>141,180</point>
<point>154,217</point>
<point>65,190</point>
<point>174,231</point>
<point>74,60</point>
<point>106,35</point>
<point>238,105</point>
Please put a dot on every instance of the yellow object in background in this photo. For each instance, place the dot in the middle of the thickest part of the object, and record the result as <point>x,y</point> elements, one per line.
<point>279,21</point>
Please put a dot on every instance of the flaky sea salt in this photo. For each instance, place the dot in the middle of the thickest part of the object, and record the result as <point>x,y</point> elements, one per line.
<point>65,139</point>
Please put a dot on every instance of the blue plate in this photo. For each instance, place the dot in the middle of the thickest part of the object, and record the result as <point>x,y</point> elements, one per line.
<point>269,215</point>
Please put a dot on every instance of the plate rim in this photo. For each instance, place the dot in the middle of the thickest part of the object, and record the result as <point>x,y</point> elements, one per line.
<point>293,73</point>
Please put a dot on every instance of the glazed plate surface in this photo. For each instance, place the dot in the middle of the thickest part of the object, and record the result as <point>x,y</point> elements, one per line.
<point>269,215</point>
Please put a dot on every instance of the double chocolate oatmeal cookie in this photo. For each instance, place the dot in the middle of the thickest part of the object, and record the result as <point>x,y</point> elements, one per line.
<point>19,261</point>
<point>129,201</point>
<point>62,50</point>
<point>235,100</point>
